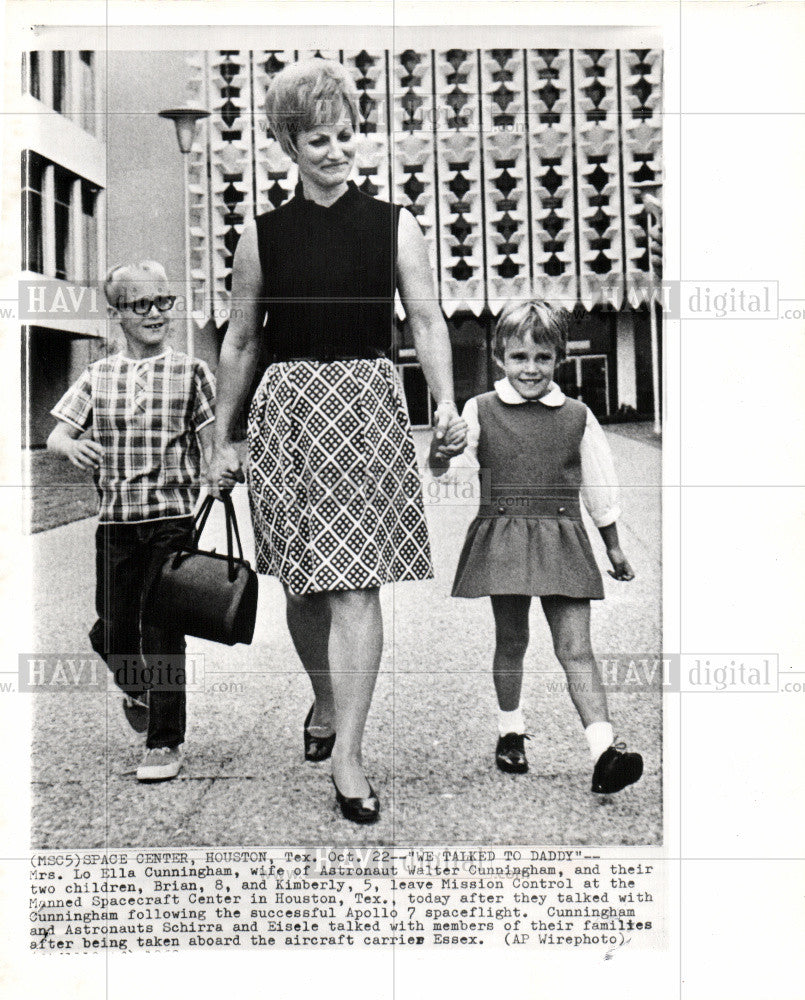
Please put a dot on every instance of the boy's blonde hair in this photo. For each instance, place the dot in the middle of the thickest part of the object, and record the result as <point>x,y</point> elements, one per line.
<point>307,94</point>
<point>543,322</point>
<point>114,285</point>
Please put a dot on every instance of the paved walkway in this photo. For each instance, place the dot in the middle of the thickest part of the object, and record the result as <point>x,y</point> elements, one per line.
<point>431,734</point>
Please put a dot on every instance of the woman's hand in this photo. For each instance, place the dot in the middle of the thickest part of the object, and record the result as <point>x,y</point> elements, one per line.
<point>446,417</point>
<point>225,469</point>
<point>443,449</point>
<point>454,440</point>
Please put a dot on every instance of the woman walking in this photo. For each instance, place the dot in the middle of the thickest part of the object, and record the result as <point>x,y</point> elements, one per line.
<point>333,485</point>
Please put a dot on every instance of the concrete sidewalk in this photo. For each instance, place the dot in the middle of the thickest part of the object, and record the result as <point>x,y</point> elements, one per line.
<point>431,733</point>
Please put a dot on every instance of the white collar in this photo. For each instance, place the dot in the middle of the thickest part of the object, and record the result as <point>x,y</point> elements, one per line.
<point>508,394</point>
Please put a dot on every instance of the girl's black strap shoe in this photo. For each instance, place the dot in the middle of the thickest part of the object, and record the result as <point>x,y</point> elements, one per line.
<point>510,753</point>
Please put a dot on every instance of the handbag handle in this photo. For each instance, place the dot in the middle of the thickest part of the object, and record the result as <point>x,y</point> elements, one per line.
<point>231,527</point>
<point>199,524</point>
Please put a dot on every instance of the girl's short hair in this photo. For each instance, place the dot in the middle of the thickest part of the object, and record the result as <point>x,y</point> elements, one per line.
<point>545,323</point>
<point>117,278</point>
<point>307,94</point>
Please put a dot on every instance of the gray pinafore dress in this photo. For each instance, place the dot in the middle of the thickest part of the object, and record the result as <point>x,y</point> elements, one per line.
<point>528,537</point>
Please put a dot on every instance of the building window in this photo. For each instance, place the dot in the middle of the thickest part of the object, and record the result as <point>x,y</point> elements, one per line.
<point>65,81</point>
<point>61,83</point>
<point>86,93</point>
<point>32,75</point>
<point>89,232</point>
<point>33,174</point>
<point>63,196</point>
<point>60,236</point>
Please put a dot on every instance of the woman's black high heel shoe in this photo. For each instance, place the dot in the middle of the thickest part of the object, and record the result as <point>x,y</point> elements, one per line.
<point>316,747</point>
<point>359,810</point>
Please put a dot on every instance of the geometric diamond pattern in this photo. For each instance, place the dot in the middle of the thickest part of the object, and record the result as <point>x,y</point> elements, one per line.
<point>458,167</point>
<point>598,154</point>
<point>369,71</point>
<point>551,121</point>
<point>333,485</point>
<point>505,188</point>
<point>641,102</point>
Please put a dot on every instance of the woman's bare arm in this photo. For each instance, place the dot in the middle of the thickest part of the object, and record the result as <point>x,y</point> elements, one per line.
<point>239,353</point>
<point>241,346</point>
<point>429,330</point>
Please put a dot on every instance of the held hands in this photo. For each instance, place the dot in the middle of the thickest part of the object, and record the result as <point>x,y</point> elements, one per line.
<point>224,470</point>
<point>449,436</point>
<point>453,442</point>
<point>446,414</point>
<point>621,570</point>
<point>450,431</point>
<point>84,453</point>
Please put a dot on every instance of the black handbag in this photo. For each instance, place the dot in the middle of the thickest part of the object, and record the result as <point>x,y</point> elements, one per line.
<point>206,594</point>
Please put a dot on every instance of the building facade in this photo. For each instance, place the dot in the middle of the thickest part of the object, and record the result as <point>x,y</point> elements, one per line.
<point>524,168</point>
<point>63,180</point>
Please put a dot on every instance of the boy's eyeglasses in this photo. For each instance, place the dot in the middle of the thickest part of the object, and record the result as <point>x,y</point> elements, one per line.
<point>142,307</point>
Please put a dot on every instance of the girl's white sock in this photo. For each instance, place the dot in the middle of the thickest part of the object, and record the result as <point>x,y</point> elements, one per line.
<point>511,722</point>
<point>600,736</point>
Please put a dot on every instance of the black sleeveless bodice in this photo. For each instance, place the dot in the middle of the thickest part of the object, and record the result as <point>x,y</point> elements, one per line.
<point>329,275</point>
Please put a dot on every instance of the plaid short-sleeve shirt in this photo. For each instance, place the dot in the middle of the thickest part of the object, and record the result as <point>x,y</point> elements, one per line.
<point>145,414</point>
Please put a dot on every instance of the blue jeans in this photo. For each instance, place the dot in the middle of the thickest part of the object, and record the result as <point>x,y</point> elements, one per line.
<point>127,555</point>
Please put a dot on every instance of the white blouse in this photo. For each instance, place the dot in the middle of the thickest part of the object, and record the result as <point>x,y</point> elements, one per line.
<point>599,484</point>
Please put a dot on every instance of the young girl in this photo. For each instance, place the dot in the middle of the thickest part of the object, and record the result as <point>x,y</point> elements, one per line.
<point>540,449</point>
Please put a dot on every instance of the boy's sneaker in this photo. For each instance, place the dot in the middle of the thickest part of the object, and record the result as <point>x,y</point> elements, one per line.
<point>160,764</point>
<point>616,769</point>
<point>510,753</point>
<point>136,711</point>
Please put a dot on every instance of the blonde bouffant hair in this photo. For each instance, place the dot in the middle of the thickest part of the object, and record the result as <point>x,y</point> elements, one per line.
<point>307,94</point>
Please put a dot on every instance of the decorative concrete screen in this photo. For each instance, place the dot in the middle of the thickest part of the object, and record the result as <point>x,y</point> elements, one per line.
<point>520,165</point>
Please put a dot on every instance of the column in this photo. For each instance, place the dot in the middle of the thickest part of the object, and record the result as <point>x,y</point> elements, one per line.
<point>625,359</point>
<point>49,222</point>
<point>78,271</point>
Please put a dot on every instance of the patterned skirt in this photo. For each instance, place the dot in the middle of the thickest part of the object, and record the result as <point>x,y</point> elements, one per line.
<point>335,494</point>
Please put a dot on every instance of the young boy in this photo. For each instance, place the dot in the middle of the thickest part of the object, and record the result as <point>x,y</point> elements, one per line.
<point>147,409</point>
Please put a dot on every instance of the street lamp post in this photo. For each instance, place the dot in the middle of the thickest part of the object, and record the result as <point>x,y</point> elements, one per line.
<point>186,119</point>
